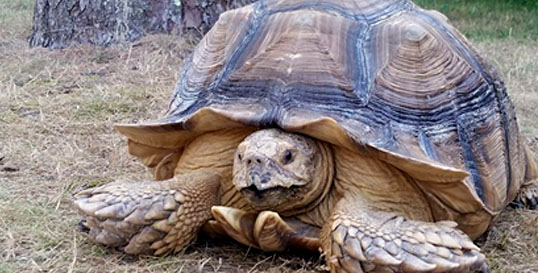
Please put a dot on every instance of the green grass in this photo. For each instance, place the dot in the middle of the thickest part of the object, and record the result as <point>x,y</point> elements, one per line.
<point>10,9</point>
<point>490,19</point>
<point>14,16</point>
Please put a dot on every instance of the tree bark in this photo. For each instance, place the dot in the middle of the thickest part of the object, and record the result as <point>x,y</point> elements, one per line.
<point>61,23</point>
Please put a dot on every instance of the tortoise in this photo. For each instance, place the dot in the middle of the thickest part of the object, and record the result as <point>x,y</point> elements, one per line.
<point>371,130</point>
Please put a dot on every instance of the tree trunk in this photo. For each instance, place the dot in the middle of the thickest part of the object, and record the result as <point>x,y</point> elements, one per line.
<point>202,14</point>
<point>60,23</point>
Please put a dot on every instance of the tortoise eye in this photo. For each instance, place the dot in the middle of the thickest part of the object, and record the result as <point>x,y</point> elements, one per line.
<point>288,156</point>
<point>239,156</point>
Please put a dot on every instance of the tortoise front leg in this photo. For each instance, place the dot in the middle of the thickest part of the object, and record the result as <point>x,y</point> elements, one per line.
<point>357,239</point>
<point>154,217</point>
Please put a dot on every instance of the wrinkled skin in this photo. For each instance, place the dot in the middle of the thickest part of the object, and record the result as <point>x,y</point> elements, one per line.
<point>274,170</point>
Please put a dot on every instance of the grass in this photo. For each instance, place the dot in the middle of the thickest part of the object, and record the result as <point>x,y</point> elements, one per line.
<point>490,19</point>
<point>57,109</point>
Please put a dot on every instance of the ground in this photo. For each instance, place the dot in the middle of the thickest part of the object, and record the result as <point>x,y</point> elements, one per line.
<point>57,110</point>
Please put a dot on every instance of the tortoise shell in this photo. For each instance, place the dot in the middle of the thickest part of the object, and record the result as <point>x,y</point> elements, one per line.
<point>385,78</point>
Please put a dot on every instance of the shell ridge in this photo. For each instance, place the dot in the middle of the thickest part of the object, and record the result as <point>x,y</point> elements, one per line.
<point>470,102</point>
<point>388,11</point>
<point>427,146</point>
<point>316,6</point>
<point>178,98</point>
<point>388,141</point>
<point>363,84</point>
<point>470,158</point>
<point>501,95</point>
<point>256,18</point>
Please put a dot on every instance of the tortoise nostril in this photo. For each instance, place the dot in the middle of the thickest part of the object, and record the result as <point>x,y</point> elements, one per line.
<point>255,160</point>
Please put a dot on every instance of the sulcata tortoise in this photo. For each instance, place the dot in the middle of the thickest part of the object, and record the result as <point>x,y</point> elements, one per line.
<point>370,130</point>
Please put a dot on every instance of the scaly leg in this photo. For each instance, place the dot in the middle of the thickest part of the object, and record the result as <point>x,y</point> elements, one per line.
<point>265,230</point>
<point>154,217</point>
<point>357,239</point>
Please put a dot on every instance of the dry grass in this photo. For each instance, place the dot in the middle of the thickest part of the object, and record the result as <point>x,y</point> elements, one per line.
<point>57,109</point>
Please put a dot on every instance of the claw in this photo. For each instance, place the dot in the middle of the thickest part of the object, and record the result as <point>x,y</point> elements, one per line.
<point>82,227</point>
<point>271,232</point>
<point>229,215</point>
<point>89,208</point>
<point>237,223</point>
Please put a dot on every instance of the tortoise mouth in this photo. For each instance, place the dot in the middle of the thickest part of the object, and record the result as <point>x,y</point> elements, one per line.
<point>268,198</point>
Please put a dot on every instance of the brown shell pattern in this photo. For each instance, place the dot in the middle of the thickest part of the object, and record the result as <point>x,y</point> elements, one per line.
<point>400,81</point>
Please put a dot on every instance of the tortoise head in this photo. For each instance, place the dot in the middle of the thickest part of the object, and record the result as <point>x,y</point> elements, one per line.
<point>283,172</point>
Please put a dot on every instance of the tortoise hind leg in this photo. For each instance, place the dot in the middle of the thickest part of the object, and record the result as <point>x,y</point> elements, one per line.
<point>357,239</point>
<point>150,217</point>
<point>528,194</point>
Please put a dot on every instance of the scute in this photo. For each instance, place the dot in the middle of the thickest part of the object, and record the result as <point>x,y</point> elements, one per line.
<point>384,78</point>
<point>303,36</point>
